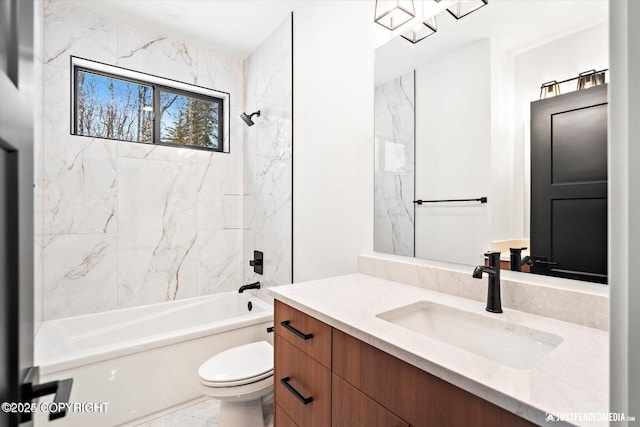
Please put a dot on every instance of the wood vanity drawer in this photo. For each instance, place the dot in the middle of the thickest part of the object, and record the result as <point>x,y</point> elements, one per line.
<point>305,332</point>
<point>411,393</point>
<point>352,408</point>
<point>298,376</point>
<point>282,419</point>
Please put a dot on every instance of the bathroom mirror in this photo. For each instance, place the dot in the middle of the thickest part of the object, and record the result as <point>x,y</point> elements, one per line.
<point>452,122</point>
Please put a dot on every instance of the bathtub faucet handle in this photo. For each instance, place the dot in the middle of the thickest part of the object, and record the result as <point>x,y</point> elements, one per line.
<point>255,285</point>
<point>257,262</point>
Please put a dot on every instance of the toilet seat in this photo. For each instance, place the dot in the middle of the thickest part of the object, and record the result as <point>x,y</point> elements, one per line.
<point>238,366</point>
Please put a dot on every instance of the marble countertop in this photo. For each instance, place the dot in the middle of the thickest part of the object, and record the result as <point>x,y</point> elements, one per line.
<point>572,378</point>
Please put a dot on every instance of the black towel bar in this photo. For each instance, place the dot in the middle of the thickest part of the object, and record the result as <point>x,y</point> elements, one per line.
<point>479,199</point>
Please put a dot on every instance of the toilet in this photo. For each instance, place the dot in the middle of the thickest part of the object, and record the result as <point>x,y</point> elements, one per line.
<point>239,378</point>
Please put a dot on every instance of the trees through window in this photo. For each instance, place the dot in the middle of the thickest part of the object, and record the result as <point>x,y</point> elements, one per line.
<point>115,107</point>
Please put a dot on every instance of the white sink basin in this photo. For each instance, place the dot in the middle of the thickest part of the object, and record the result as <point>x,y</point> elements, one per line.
<point>513,345</point>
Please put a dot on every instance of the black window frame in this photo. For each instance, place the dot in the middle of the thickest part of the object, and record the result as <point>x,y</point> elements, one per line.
<point>157,120</point>
<point>156,114</point>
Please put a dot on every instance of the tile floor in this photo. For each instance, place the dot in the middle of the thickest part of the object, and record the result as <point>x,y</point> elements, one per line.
<point>202,414</point>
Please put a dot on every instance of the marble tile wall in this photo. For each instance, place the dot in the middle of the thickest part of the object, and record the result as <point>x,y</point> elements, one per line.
<point>394,103</point>
<point>124,224</point>
<point>268,159</point>
<point>572,301</point>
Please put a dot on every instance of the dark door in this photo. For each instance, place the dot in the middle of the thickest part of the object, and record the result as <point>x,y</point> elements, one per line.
<point>18,378</point>
<point>569,185</point>
<point>16,203</point>
<point>9,279</point>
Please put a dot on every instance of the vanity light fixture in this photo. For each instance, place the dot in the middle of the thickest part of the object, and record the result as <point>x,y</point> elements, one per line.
<point>421,31</point>
<point>391,14</point>
<point>464,7</point>
<point>549,89</point>
<point>589,79</point>
<point>585,80</point>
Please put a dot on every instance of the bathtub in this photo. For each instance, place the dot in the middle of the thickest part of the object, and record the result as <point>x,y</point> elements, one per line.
<point>143,360</point>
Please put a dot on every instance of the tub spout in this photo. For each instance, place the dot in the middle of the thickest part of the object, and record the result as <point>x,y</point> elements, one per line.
<point>243,288</point>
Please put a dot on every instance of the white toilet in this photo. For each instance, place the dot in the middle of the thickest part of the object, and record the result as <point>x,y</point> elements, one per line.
<point>239,378</point>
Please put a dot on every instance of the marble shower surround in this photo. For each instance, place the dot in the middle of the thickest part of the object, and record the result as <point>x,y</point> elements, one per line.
<point>121,224</point>
<point>394,105</point>
<point>268,159</point>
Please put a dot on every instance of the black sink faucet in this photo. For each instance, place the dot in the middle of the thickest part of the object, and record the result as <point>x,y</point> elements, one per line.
<point>243,288</point>
<point>494,304</point>
<point>516,261</point>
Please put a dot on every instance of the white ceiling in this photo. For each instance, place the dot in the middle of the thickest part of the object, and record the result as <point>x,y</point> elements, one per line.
<point>234,27</point>
<point>237,27</point>
<point>515,25</point>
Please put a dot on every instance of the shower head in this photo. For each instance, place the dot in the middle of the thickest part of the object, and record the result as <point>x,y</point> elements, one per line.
<point>247,119</point>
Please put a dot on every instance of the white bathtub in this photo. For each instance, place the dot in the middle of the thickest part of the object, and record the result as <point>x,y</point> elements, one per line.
<point>143,360</point>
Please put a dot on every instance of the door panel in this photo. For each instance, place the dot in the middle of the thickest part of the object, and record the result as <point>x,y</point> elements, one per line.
<point>570,245</point>
<point>16,207</point>
<point>569,185</point>
<point>9,339</point>
<point>582,162</point>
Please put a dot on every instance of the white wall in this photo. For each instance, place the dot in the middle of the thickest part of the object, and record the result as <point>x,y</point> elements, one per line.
<point>624,206</point>
<point>333,55</point>
<point>453,154</point>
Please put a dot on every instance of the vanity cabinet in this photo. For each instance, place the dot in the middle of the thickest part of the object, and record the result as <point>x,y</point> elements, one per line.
<point>416,396</point>
<point>352,408</point>
<point>325,377</point>
<point>302,369</point>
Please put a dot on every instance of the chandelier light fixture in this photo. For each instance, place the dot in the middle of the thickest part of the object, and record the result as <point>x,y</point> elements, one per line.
<point>421,31</point>
<point>464,7</point>
<point>392,14</point>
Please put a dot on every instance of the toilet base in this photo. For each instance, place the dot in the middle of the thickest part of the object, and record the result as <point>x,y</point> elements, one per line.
<point>248,414</point>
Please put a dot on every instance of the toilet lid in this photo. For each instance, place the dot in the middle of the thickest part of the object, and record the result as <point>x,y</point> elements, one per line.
<point>249,361</point>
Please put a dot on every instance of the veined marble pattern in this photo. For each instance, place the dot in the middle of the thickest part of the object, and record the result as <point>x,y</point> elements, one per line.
<point>157,54</point>
<point>144,223</point>
<point>202,414</point>
<point>79,274</point>
<point>219,190</point>
<point>267,161</point>
<point>394,166</point>
<point>73,31</point>
<point>156,231</point>
<point>144,151</point>
<point>79,186</point>
<point>219,260</point>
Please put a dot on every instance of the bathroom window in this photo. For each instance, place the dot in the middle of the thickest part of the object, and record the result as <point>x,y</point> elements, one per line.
<point>188,119</point>
<point>116,103</point>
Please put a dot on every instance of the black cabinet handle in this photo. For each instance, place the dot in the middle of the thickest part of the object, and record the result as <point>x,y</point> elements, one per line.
<point>296,393</point>
<point>287,324</point>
